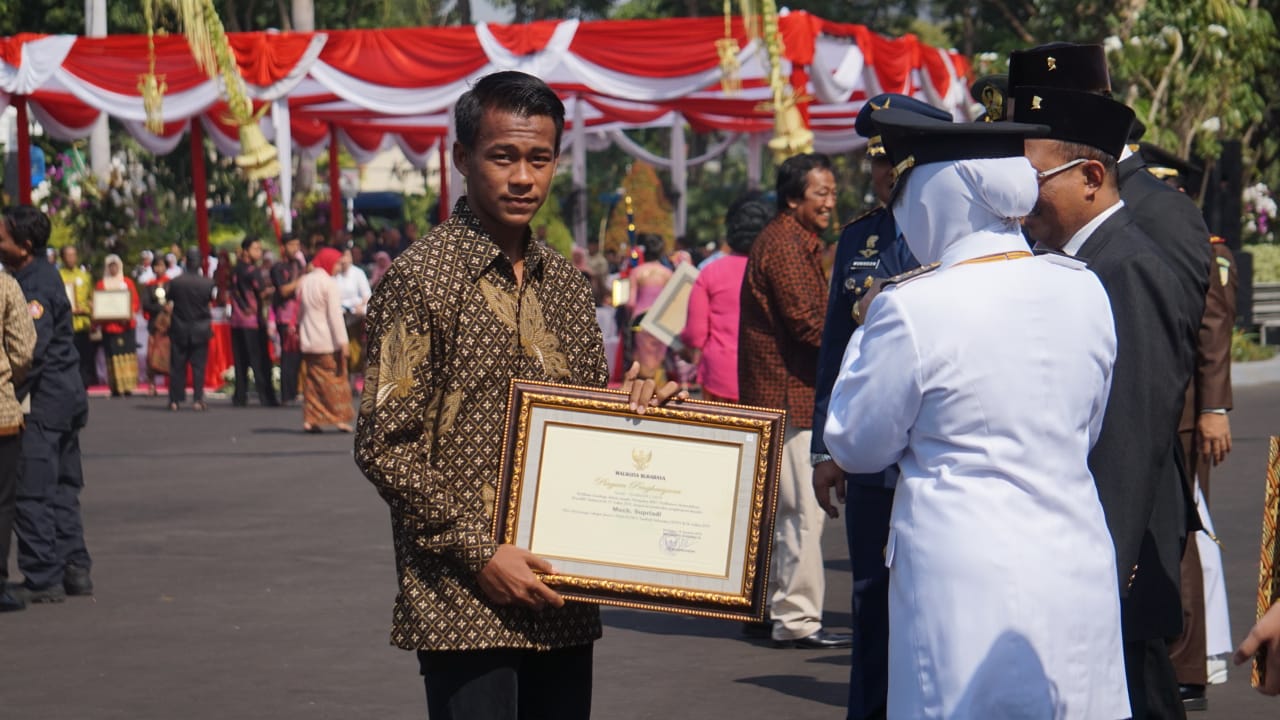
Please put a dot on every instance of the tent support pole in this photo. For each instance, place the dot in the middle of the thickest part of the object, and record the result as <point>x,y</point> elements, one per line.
<point>335,184</point>
<point>24,150</point>
<point>199,179</point>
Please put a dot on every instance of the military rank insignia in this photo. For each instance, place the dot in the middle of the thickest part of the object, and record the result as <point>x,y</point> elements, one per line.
<point>870,249</point>
<point>1224,270</point>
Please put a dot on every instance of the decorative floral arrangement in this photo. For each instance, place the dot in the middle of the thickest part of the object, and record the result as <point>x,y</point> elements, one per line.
<point>1259,207</point>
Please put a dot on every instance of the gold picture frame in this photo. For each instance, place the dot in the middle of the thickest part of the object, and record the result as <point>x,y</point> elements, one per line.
<point>1269,564</point>
<point>670,511</point>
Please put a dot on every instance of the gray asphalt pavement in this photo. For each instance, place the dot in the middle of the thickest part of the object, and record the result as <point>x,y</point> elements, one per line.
<point>244,570</point>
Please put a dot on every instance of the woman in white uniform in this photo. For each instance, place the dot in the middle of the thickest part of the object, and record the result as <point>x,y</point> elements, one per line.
<point>985,381</point>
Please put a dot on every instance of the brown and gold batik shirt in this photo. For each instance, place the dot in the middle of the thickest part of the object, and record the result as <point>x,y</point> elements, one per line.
<point>448,330</point>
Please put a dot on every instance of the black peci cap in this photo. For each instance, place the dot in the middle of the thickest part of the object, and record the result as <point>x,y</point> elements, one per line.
<point>1060,65</point>
<point>867,129</point>
<point>993,92</point>
<point>912,140</point>
<point>1074,116</point>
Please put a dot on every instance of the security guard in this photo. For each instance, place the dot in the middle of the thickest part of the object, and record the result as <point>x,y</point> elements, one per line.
<point>79,285</point>
<point>51,549</point>
<point>869,248</point>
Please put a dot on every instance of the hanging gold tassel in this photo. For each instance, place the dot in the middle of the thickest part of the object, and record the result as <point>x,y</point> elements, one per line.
<point>727,49</point>
<point>150,85</point>
<point>790,134</point>
<point>212,52</point>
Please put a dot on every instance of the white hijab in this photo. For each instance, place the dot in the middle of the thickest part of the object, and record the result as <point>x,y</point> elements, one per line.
<point>953,211</point>
<point>113,280</point>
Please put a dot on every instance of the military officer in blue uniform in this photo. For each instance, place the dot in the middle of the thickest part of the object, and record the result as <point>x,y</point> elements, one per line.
<point>51,548</point>
<point>870,249</point>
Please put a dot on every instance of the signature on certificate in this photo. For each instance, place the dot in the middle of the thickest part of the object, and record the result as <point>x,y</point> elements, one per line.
<point>674,541</point>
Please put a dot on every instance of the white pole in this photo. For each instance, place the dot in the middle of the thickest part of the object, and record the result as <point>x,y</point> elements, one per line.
<point>284,149</point>
<point>679,173</point>
<point>755,146</point>
<point>95,25</point>
<point>579,131</point>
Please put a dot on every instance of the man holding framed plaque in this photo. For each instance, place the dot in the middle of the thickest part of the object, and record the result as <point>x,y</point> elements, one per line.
<point>464,310</point>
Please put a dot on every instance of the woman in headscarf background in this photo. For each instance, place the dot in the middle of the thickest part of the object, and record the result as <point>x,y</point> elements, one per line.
<point>119,338</point>
<point>323,335</point>
<point>1003,593</point>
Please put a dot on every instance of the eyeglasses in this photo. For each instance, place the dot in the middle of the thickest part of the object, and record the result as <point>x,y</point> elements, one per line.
<point>1046,174</point>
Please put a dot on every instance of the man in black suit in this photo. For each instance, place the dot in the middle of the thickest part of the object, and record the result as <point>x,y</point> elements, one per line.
<point>189,332</point>
<point>1080,213</point>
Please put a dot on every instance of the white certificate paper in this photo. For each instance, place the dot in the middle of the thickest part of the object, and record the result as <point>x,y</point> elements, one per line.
<point>645,501</point>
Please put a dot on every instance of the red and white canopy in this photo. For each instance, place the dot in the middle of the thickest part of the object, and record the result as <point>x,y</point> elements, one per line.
<point>393,87</point>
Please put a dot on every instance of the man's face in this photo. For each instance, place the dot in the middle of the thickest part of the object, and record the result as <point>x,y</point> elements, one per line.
<point>813,211</point>
<point>254,253</point>
<point>70,258</point>
<point>292,247</point>
<point>11,253</point>
<point>510,168</point>
<point>1048,223</point>
<point>345,263</point>
<point>882,178</point>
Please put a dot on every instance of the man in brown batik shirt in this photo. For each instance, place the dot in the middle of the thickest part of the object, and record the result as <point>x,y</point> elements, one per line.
<point>460,313</point>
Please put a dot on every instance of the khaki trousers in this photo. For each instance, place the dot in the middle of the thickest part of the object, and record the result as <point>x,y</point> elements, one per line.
<point>796,579</point>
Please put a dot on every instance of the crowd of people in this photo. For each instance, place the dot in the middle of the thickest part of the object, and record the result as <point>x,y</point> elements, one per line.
<point>1013,378</point>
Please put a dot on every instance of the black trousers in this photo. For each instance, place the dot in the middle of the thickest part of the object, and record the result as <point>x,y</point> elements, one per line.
<point>866,521</point>
<point>508,684</point>
<point>10,452</point>
<point>290,367</point>
<point>249,347</point>
<point>184,352</point>
<point>1153,688</point>
<point>49,529</point>
<point>88,358</point>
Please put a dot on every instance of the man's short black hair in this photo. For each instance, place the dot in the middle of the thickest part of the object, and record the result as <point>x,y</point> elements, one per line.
<point>1071,150</point>
<point>28,226</point>
<point>793,173</point>
<point>248,242</point>
<point>510,91</point>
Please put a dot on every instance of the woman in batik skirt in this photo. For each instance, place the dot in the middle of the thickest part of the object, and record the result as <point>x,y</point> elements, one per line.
<point>118,335</point>
<point>323,335</point>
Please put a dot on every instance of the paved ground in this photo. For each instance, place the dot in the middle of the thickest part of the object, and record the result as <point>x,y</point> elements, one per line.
<point>244,570</point>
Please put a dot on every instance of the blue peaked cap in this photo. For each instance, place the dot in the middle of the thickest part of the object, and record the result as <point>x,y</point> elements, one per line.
<point>867,129</point>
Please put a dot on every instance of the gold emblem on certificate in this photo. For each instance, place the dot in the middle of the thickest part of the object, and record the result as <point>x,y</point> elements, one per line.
<point>670,511</point>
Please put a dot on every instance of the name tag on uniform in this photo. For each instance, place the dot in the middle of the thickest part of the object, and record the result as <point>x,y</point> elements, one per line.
<point>864,264</point>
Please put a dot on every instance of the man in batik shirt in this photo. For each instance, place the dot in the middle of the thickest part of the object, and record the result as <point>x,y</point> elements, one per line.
<point>460,313</point>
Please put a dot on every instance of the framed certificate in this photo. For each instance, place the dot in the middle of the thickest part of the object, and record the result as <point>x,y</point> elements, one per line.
<point>111,305</point>
<point>666,318</point>
<point>1269,564</point>
<point>672,510</point>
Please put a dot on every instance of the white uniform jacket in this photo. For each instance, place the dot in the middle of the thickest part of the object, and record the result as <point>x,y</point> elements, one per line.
<point>986,383</point>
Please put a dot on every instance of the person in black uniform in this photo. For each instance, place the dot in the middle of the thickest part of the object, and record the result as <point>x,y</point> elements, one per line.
<point>51,549</point>
<point>1172,220</point>
<point>1080,213</point>
<point>870,247</point>
<point>189,332</point>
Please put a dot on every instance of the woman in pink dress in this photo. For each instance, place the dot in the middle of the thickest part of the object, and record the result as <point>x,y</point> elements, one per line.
<point>647,282</point>
<point>711,333</point>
